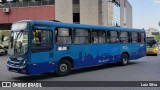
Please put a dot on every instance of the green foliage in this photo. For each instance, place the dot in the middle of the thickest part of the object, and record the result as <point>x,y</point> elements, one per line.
<point>157,37</point>
<point>6,33</point>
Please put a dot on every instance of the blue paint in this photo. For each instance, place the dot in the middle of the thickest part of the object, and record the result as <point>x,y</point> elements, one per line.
<point>38,68</point>
<point>41,68</point>
<point>82,55</point>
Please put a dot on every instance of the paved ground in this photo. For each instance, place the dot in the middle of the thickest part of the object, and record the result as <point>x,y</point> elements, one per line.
<point>144,69</point>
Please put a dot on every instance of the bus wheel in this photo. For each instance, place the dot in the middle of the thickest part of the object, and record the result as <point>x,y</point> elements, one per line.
<point>2,54</point>
<point>64,68</point>
<point>155,54</point>
<point>124,59</point>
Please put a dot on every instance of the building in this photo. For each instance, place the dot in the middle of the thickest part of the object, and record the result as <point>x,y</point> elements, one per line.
<point>151,32</point>
<point>94,12</point>
<point>15,10</point>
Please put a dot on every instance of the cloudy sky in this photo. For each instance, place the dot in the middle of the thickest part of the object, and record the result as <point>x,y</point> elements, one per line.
<point>146,13</point>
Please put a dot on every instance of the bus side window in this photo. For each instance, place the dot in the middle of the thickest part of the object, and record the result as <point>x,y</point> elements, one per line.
<point>124,38</point>
<point>36,40</point>
<point>142,38</point>
<point>134,37</point>
<point>42,40</point>
<point>114,37</point>
<point>81,36</point>
<point>63,36</point>
<point>98,37</point>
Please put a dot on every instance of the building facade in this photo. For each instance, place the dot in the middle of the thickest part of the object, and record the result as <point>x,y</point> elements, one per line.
<point>94,12</point>
<point>14,10</point>
<point>151,32</point>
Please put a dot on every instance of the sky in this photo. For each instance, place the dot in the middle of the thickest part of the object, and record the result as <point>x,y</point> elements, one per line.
<point>146,13</point>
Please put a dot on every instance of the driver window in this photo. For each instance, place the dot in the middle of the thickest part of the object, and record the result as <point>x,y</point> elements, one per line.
<point>36,40</point>
<point>42,40</point>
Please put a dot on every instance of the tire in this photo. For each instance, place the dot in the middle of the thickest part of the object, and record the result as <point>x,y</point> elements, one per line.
<point>63,68</point>
<point>6,52</point>
<point>155,54</point>
<point>2,54</point>
<point>124,59</point>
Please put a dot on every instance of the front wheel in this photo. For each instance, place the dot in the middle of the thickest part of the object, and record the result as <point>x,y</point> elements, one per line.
<point>2,54</point>
<point>124,59</point>
<point>64,68</point>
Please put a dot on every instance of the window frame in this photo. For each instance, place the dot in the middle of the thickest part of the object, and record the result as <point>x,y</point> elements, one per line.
<point>55,35</point>
<point>89,36</point>
<point>52,46</point>
<point>143,37</point>
<point>98,36</point>
<point>135,37</point>
<point>128,36</point>
<point>113,37</point>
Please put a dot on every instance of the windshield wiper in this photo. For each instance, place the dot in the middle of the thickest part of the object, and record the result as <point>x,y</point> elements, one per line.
<point>20,33</point>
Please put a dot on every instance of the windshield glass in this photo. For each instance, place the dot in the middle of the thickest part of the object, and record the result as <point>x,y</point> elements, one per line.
<point>18,40</point>
<point>19,26</point>
<point>151,43</point>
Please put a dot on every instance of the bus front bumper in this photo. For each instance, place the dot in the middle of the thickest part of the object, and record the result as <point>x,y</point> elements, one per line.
<point>16,67</point>
<point>31,69</point>
<point>152,51</point>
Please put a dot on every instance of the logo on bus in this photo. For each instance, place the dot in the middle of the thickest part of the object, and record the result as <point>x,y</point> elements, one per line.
<point>125,47</point>
<point>62,48</point>
<point>103,61</point>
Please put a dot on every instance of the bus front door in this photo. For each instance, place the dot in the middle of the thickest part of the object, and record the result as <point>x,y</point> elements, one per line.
<point>42,52</point>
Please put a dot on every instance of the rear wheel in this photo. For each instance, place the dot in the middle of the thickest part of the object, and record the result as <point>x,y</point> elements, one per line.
<point>124,59</point>
<point>64,68</point>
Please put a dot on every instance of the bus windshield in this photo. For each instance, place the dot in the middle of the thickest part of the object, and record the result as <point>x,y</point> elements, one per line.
<point>18,40</point>
<point>151,42</point>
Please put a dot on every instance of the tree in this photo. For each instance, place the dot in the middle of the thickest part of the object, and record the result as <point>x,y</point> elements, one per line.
<point>157,37</point>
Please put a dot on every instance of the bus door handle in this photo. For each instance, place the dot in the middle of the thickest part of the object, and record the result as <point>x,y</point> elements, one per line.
<point>51,55</point>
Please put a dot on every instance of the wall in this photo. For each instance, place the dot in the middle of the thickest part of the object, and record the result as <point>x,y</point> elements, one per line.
<point>129,15</point>
<point>28,13</point>
<point>89,12</point>
<point>122,13</point>
<point>105,12</point>
<point>64,10</point>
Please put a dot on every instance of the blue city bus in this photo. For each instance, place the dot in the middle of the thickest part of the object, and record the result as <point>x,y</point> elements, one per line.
<point>38,46</point>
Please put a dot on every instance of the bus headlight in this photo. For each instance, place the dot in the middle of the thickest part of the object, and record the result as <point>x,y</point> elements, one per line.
<point>25,61</point>
<point>156,49</point>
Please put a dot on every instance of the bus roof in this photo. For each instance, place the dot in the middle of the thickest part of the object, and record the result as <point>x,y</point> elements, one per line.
<point>84,26</point>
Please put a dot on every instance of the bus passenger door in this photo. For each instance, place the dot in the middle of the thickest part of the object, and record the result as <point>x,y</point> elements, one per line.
<point>42,52</point>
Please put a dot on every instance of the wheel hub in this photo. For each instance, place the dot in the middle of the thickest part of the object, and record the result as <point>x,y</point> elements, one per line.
<point>63,67</point>
<point>125,60</point>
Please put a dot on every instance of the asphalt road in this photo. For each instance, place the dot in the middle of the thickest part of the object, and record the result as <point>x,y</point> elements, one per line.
<point>144,69</point>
